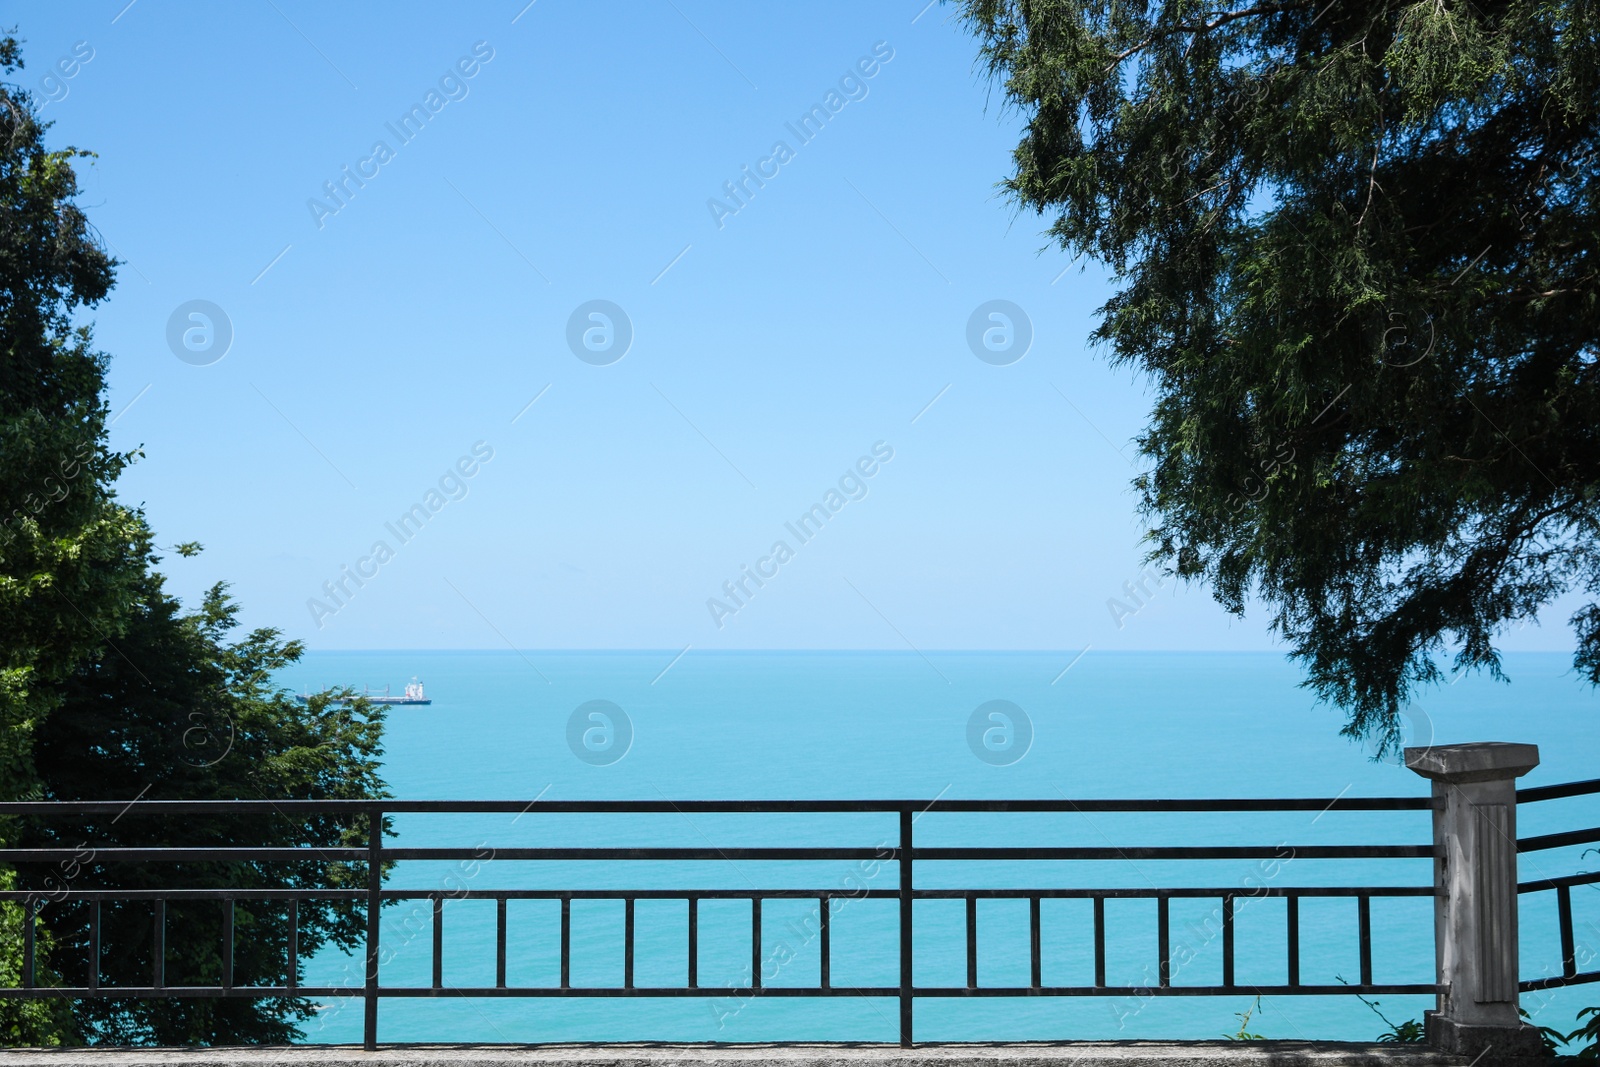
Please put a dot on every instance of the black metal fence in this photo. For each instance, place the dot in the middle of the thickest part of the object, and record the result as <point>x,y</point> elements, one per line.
<point>1562,886</point>
<point>904,854</point>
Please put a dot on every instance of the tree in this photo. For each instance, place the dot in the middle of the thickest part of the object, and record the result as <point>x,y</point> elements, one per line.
<point>174,712</point>
<point>67,550</point>
<point>111,690</point>
<point>69,554</point>
<point>1355,250</point>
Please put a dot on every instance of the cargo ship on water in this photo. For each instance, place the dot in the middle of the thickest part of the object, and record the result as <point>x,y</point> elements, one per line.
<point>413,695</point>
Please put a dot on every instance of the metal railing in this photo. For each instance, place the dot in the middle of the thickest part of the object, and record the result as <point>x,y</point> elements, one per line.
<point>904,854</point>
<point>1562,886</point>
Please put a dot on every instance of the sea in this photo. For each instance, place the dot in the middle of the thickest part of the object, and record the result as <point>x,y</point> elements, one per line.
<point>654,725</point>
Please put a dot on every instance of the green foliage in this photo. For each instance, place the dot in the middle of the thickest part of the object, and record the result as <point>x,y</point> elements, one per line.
<point>28,1022</point>
<point>1409,1032</point>
<point>1588,1032</point>
<point>68,552</point>
<point>1244,1033</point>
<point>110,690</point>
<point>181,713</point>
<point>1356,249</point>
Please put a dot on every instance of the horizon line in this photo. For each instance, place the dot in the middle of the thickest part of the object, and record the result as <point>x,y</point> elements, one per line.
<point>893,651</point>
<point>883,651</point>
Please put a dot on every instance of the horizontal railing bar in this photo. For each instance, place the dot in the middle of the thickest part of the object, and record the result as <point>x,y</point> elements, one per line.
<point>1553,883</point>
<point>1217,892</point>
<point>57,895</point>
<point>717,992</point>
<point>645,992</point>
<point>345,855</point>
<point>1570,837</point>
<point>1076,893</point>
<point>1179,852</point>
<point>1129,852</point>
<point>1173,990</point>
<point>1556,792</point>
<point>236,992</point>
<point>179,855</point>
<point>647,853</point>
<point>1555,983</point>
<point>637,894</point>
<point>917,991</point>
<point>391,807</point>
<point>1186,804</point>
<point>103,992</point>
<point>449,894</point>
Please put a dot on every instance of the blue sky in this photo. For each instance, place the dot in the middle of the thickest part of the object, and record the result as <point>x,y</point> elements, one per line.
<point>377,339</point>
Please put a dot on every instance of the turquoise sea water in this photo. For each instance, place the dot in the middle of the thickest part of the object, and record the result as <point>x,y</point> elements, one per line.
<point>784,725</point>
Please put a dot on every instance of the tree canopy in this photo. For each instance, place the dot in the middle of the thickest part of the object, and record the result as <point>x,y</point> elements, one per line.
<point>111,689</point>
<point>1354,248</point>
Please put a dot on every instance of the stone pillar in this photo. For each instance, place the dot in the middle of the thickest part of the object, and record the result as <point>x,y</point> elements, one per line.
<point>1475,910</point>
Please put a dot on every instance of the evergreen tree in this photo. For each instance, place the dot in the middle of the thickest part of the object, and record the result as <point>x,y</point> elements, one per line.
<point>177,712</point>
<point>110,690</point>
<point>1355,248</point>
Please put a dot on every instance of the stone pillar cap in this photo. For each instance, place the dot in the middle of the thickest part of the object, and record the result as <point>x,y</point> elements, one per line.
<point>1483,761</point>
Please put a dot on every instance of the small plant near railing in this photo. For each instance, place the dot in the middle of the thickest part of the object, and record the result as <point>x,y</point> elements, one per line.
<point>1409,1032</point>
<point>1244,1033</point>
<point>1406,1033</point>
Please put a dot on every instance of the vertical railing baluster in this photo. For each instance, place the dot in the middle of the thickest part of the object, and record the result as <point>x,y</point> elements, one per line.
<point>1164,942</point>
<point>627,942</point>
<point>972,941</point>
<point>1294,939</point>
<point>158,956</point>
<point>826,935</point>
<point>500,942</point>
<point>30,915</point>
<point>438,941</point>
<point>755,942</point>
<point>94,946</point>
<point>1569,954</point>
<point>906,821</point>
<point>369,1022</point>
<point>294,945</point>
<point>227,945</point>
<point>1034,954</point>
<point>694,942</point>
<point>566,942</point>
<point>1100,941</point>
<point>1364,931</point>
<point>1227,940</point>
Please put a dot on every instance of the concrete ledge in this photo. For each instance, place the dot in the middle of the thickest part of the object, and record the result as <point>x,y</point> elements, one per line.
<point>1069,1054</point>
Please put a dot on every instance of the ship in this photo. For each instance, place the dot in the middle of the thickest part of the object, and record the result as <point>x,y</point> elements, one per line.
<point>413,695</point>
